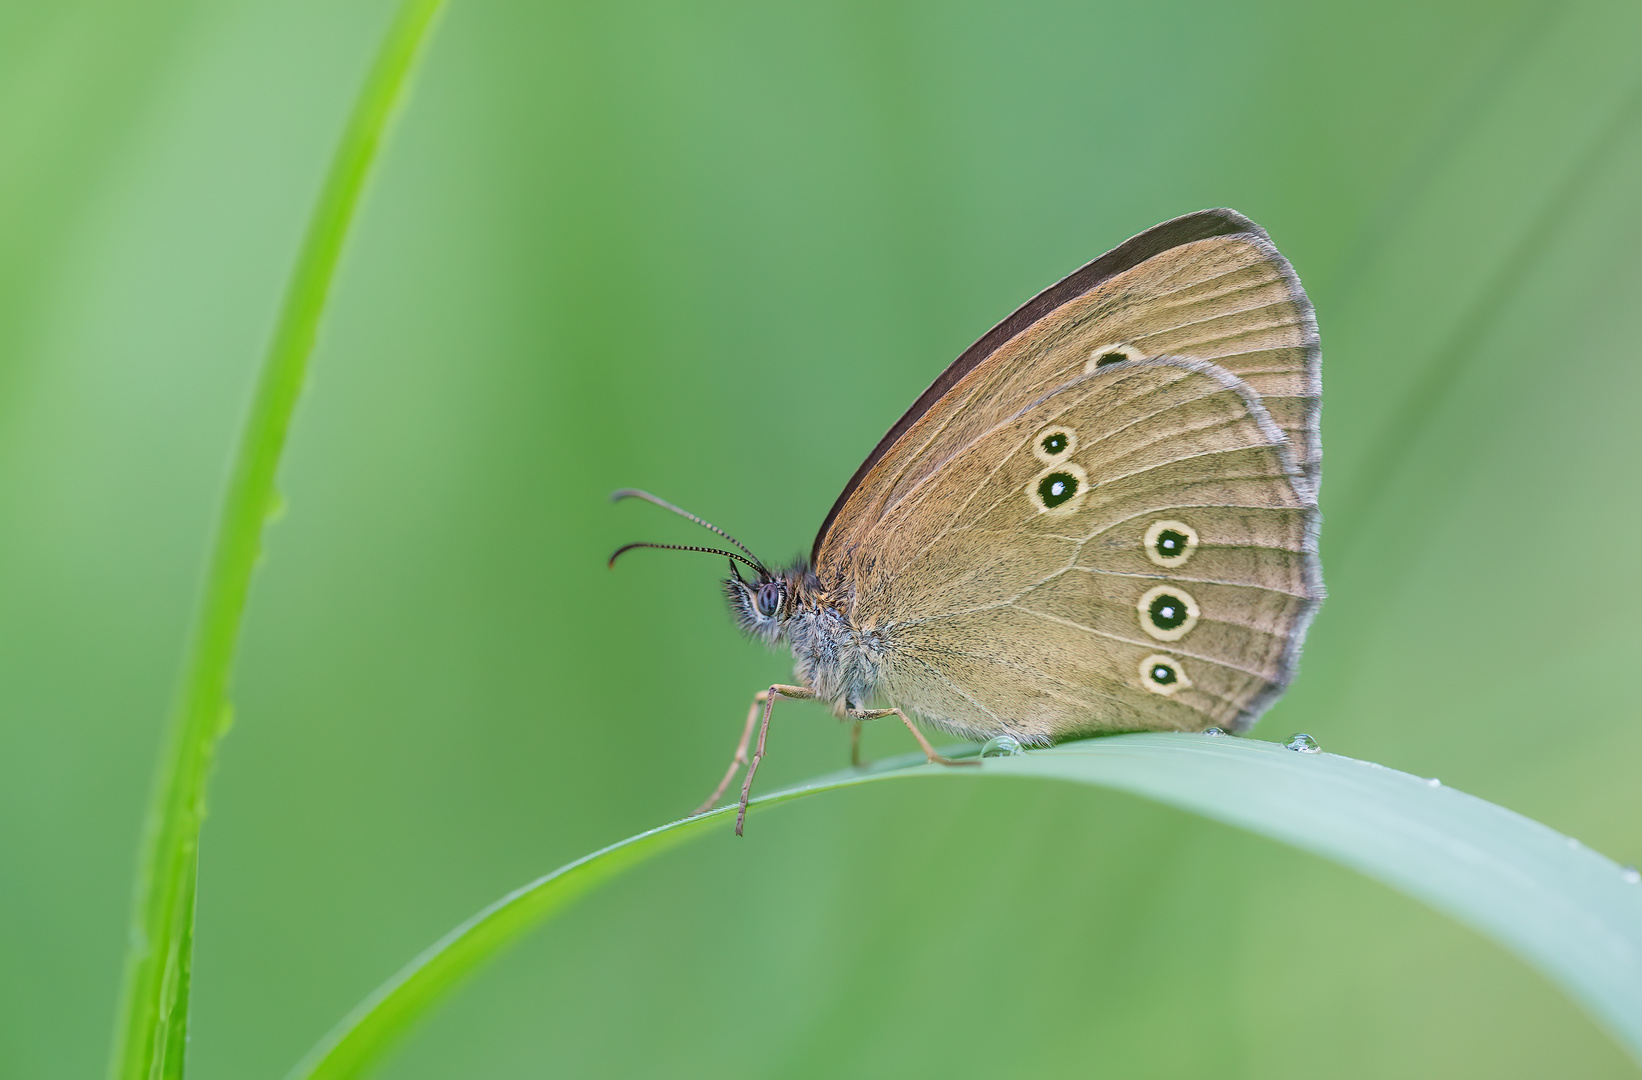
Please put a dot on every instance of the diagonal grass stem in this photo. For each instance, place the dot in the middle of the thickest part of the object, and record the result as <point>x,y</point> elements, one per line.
<point>151,1027</point>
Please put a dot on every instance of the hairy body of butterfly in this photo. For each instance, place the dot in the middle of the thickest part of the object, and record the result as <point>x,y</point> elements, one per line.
<point>1101,517</point>
<point>836,661</point>
<point>840,662</point>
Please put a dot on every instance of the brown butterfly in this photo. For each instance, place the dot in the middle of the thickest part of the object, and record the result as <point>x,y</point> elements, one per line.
<point>1102,517</point>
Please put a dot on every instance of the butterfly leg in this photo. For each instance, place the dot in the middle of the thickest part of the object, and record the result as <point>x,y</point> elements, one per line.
<point>740,757</point>
<point>929,751</point>
<point>855,745</point>
<point>768,697</point>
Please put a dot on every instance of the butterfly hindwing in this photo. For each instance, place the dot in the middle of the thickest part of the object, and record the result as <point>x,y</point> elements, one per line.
<point>1132,550</point>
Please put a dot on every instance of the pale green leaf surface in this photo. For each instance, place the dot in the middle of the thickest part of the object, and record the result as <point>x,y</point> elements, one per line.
<point>1570,912</point>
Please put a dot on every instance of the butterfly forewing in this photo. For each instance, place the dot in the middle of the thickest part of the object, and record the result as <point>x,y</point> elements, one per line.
<point>1230,298</point>
<point>1135,549</point>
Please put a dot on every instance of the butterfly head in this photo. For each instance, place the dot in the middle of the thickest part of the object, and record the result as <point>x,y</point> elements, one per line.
<point>762,603</point>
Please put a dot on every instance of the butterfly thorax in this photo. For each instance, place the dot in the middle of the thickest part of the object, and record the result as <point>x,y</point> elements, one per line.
<point>840,661</point>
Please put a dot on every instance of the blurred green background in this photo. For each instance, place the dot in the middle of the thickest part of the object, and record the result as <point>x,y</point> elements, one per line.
<point>714,250</point>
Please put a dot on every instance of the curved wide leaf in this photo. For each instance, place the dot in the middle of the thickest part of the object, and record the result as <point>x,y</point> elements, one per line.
<point>1568,911</point>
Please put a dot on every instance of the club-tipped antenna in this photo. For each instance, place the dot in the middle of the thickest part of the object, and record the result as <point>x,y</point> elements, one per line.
<point>684,547</point>
<point>635,493</point>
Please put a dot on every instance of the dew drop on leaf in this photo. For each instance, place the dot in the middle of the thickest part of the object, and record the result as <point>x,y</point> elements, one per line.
<point>1303,743</point>
<point>1002,746</point>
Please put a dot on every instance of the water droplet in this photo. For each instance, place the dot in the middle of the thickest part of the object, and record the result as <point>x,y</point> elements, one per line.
<point>1213,732</point>
<point>1630,875</point>
<point>1002,746</point>
<point>1433,782</point>
<point>1302,742</point>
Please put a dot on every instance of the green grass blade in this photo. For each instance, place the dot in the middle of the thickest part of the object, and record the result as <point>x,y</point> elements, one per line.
<point>150,1036</point>
<point>1571,913</point>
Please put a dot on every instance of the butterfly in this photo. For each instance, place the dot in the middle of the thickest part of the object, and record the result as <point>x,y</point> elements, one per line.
<point>1101,517</point>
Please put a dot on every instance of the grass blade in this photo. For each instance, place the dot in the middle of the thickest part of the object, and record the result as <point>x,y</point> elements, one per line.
<point>150,1037</point>
<point>1569,912</point>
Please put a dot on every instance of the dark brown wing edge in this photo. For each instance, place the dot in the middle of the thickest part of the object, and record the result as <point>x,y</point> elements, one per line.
<point>1131,253</point>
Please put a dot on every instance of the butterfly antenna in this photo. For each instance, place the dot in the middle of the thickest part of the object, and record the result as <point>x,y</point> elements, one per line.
<point>635,493</point>
<point>682,547</point>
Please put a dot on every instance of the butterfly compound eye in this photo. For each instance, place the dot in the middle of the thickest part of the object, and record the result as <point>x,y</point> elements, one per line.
<point>768,600</point>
